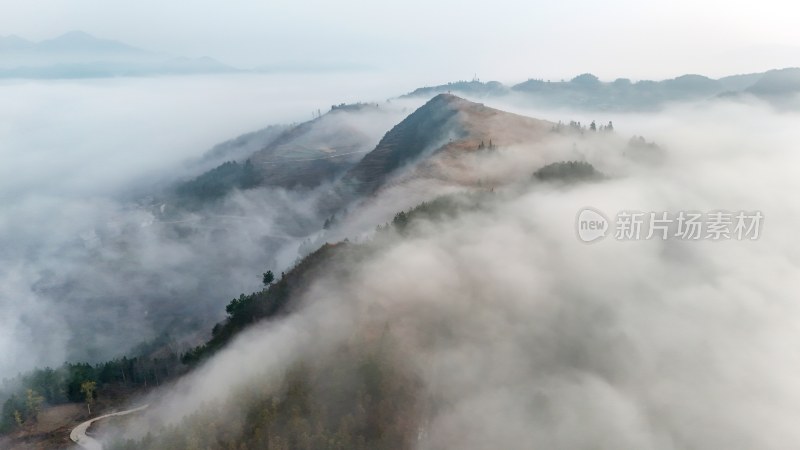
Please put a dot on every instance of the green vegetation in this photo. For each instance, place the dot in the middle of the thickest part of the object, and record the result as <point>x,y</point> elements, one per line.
<point>482,146</point>
<point>24,396</point>
<point>441,208</point>
<point>359,106</point>
<point>639,149</point>
<point>574,127</point>
<point>267,278</point>
<point>267,303</point>
<point>639,142</point>
<point>218,182</point>
<point>12,414</point>
<point>20,408</point>
<point>568,172</point>
<point>88,390</point>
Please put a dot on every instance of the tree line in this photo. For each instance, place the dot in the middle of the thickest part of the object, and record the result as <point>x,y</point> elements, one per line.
<point>24,396</point>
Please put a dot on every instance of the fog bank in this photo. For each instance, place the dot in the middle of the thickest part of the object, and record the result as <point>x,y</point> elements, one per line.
<point>526,337</point>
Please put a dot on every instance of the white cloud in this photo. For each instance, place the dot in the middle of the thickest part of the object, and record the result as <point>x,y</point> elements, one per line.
<point>525,336</point>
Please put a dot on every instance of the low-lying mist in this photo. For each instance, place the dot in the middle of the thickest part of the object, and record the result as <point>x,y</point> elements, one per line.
<point>524,337</point>
<point>89,268</point>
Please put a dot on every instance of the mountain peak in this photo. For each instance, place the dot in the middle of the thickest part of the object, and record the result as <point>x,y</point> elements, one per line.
<point>14,42</point>
<point>447,100</point>
<point>445,97</point>
<point>777,82</point>
<point>446,104</point>
<point>80,41</point>
<point>445,124</point>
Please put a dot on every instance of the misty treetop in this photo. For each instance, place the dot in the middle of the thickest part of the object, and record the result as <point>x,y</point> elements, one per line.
<point>219,181</point>
<point>576,127</point>
<point>568,172</point>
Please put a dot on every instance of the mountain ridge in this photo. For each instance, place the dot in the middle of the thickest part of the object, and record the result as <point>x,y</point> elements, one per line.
<point>586,91</point>
<point>331,147</point>
<point>76,40</point>
<point>77,54</point>
<point>437,135</point>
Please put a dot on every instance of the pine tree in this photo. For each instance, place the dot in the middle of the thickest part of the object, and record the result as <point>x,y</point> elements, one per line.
<point>268,278</point>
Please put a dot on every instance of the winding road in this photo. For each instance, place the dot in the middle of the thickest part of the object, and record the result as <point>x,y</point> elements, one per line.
<point>79,436</point>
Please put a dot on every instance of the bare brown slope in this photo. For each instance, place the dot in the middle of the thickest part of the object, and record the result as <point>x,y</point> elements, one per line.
<point>436,136</point>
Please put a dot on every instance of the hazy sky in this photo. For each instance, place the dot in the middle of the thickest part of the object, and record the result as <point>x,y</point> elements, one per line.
<point>447,39</point>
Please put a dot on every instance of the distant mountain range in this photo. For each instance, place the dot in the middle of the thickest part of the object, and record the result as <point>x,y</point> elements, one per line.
<point>73,41</point>
<point>79,55</point>
<point>586,91</point>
